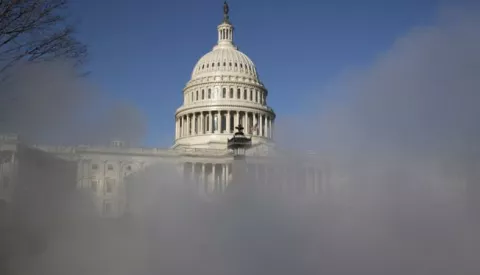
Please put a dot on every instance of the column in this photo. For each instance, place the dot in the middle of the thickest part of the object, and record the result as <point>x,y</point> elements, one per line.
<point>201,123</point>
<point>228,122</point>
<point>179,133</point>
<point>260,117</point>
<point>194,124</point>
<point>237,118</point>
<point>270,127</point>
<point>211,122</point>
<point>181,126</point>
<point>255,122</point>
<point>184,121</point>
<point>266,127</point>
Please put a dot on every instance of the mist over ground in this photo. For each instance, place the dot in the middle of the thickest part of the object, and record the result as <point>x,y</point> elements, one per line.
<point>402,138</point>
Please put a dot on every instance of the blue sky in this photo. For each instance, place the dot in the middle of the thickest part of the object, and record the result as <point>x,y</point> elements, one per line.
<point>143,51</point>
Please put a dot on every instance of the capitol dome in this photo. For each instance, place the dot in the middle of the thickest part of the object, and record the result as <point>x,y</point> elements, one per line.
<point>226,59</point>
<point>224,91</point>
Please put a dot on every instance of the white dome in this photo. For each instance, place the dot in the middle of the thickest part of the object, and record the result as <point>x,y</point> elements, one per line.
<point>223,60</point>
<point>223,92</point>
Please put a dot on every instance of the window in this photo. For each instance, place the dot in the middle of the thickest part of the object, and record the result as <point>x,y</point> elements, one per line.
<point>208,65</point>
<point>256,96</point>
<point>203,66</point>
<point>251,95</point>
<point>191,96</point>
<point>129,168</point>
<point>245,94</point>
<point>231,92</point>
<point>109,185</point>
<point>94,166</point>
<point>224,64</point>
<point>238,94</point>
<point>196,95</point>
<point>218,64</point>
<point>230,64</point>
<point>209,93</point>
<point>110,167</point>
<point>203,94</point>
<point>93,185</point>
<point>241,66</point>
<point>235,65</point>
<point>213,65</point>
<point>224,93</point>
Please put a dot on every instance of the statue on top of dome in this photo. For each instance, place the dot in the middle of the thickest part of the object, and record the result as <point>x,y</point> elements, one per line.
<point>226,10</point>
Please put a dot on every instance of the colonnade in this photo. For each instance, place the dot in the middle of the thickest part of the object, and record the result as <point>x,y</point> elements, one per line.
<point>211,178</point>
<point>215,122</point>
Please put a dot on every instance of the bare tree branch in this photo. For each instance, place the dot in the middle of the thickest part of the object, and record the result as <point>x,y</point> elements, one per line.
<point>36,30</point>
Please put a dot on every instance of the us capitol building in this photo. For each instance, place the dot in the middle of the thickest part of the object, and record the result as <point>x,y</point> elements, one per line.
<point>224,91</point>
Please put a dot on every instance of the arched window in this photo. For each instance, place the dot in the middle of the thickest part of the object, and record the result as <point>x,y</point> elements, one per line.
<point>209,93</point>
<point>238,93</point>
<point>224,93</point>
<point>231,92</point>
<point>203,94</point>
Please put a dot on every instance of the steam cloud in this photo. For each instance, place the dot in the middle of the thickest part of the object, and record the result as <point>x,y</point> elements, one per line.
<point>403,141</point>
<point>48,103</point>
